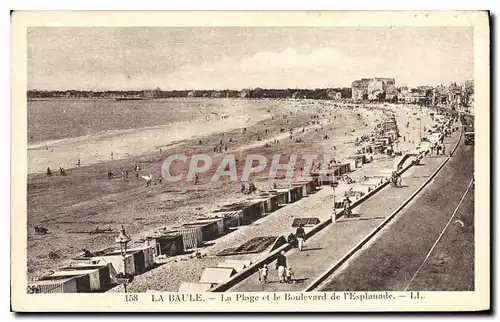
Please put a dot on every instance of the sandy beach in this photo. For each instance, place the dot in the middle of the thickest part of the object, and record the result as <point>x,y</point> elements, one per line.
<point>74,204</point>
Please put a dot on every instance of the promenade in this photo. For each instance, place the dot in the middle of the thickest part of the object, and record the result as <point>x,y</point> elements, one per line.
<point>329,245</point>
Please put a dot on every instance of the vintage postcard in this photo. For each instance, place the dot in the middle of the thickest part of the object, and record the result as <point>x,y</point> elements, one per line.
<point>250,161</point>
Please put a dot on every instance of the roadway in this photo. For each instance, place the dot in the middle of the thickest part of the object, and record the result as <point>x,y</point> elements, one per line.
<point>429,245</point>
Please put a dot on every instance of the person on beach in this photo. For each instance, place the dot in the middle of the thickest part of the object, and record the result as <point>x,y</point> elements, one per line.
<point>49,172</point>
<point>263,272</point>
<point>111,155</point>
<point>196,178</point>
<point>281,266</point>
<point>78,163</point>
<point>301,236</point>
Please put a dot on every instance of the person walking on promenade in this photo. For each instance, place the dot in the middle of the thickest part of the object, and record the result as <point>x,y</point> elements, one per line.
<point>301,236</point>
<point>263,273</point>
<point>288,275</point>
<point>292,240</point>
<point>281,266</point>
<point>347,205</point>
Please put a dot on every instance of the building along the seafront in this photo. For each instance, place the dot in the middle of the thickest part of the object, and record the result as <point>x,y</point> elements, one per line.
<point>373,89</point>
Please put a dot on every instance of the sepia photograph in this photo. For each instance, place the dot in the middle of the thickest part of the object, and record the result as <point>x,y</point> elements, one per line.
<point>252,163</point>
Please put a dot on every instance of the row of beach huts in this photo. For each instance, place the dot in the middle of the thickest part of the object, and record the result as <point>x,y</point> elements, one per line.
<point>96,272</point>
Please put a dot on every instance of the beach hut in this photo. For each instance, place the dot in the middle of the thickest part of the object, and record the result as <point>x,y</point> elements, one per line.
<point>188,287</point>
<point>192,237</point>
<point>117,262</point>
<point>146,254</point>
<point>209,229</point>
<point>295,193</point>
<point>252,210</point>
<point>218,222</point>
<point>217,275</point>
<point>342,168</point>
<point>142,258</point>
<point>353,164</point>
<point>62,285</point>
<point>169,245</point>
<point>377,148</point>
<point>230,219</point>
<point>325,177</point>
<point>281,196</point>
<point>82,281</point>
<point>94,283</point>
<point>393,135</point>
<point>310,185</point>
<point>360,159</point>
<point>302,186</point>
<point>103,271</point>
<point>270,203</point>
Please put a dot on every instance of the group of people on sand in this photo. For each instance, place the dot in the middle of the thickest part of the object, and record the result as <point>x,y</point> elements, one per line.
<point>124,174</point>
<point>62,171</point>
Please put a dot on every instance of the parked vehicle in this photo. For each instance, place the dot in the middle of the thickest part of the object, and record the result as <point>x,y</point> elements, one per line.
<point>469,138</point>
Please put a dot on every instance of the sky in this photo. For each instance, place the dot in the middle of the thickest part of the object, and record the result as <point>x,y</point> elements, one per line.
<point>235,58</point>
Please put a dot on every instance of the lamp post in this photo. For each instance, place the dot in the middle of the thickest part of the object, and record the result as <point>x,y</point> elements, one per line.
<point>334,185</point>
<point>123,240</point>
<point>420,119</point>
